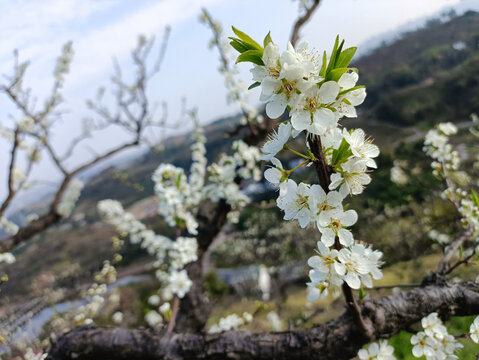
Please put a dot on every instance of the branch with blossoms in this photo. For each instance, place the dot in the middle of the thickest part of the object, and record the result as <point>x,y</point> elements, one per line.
<point>317,92</point>
<point>33,132</point>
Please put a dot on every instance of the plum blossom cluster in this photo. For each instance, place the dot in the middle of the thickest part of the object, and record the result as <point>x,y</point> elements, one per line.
<point>445,164</point>
<point>237,90</point>
<point>177,194</point>
<point>355,265</point>
<point>434,342</point>
<point>225,174</point>
<point>178,197</point>
<point>155,318</point>
<point>317,92</point>
<point>380,350</point>
<point>8,226</point>
<point>7,258</point>
<point>296,79</point>
<point>230,322</point>
<point>70,198</point>
<point>436,145</point>
<point>179,252</point>
<point>398,175</point>
<point>96,295</point>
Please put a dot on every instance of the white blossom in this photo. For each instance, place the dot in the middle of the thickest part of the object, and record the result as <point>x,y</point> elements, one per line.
<point>276,141</point>
<point>69,198</point>
<point>380,350</point>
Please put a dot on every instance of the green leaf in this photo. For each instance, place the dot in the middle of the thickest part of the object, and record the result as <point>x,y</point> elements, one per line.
<point>342,153</point>
<point>475,198</point>
<point>241,46</point>
<point>178,180</point>
<point>332,59</point>
<point>362,294</point>
<point>246,38</point>
<point>338,53</point>
<point>253,85</point>
<point>253,56</point>
<point>335,74</point>
<point>323,67</point>
<point>238,45</point>
<point>267,39</point>
<point>345,57</point>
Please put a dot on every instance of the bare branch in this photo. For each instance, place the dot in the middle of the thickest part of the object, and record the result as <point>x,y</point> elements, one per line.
<point>452,250</point>
<point>303,20</point>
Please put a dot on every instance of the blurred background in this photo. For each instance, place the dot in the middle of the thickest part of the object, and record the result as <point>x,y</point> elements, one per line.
<point>419,61</point>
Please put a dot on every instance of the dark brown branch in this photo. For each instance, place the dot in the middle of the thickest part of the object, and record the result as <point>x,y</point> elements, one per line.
<point>337,339</point>
<point>11,168</point>
<point>452,250</point>
<point>301,21</point>
<point>460,262</point>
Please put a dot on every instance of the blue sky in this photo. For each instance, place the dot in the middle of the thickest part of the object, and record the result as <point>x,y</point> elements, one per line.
<point>101,29</point>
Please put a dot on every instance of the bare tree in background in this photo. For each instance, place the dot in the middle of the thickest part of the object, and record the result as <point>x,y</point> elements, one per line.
<point>32,134</point>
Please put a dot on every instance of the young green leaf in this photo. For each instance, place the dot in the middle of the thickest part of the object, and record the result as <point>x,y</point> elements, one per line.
<point>335,74</point>
<point>247,39</point>
<point>345,57</point>
<point>253,85</point>
<point>267,39</point>
<point>475,198</point>
<point>342,153</point>
<point>332,59</point>
<point>238,45</point>
<point>253,56</point>
<point>362,294</point>
<point>323,67</point>
<point>338,53</point>
<point>242,46</point>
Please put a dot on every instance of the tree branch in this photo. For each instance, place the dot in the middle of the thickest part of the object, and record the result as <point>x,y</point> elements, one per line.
<point>301,21</point>
<point>337,339</point>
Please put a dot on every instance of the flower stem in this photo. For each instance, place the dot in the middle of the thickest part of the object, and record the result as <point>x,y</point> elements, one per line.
<point>297,167</point>
<point>286,147</point>
<point>176,306</point>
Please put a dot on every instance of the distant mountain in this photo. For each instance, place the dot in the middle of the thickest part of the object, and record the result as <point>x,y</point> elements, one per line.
<point>443,15</point>
<point>427,76</point>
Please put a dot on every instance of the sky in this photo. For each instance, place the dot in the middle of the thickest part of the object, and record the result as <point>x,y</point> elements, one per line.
<point>103,29</point>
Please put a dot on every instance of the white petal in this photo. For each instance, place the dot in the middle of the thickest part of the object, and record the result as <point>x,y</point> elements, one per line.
<point>345,237</point>
<point>328,92</point>
<point>300,120</point>
<point>268,86</point>
<point>348,80</point>
<point>349,218</point>
<point>314,261</point>
<point>327,237</point>
<point>275,108</point>
<point>313,293</point>
<point>353,280</point>
<point>273,175</point>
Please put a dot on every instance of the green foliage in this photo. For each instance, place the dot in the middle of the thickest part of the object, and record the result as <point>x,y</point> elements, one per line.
<point>214,286</point>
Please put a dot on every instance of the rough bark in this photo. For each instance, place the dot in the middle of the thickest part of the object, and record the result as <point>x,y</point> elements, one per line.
<point>195,308</point>
<point>337,339</point>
